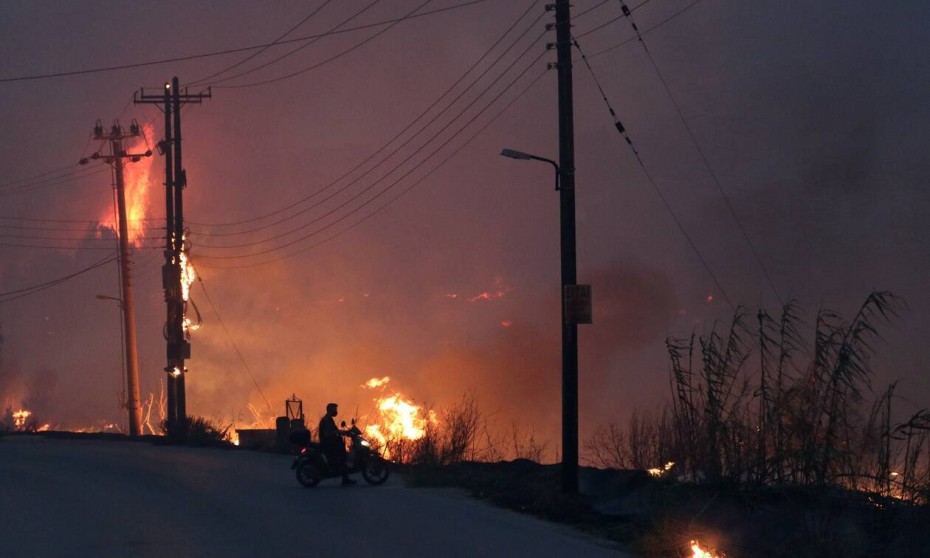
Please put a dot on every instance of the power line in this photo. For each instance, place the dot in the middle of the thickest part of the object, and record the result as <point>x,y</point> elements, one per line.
<point>57,180</point>
<point>45,247</point>
<point>263,49</point>
<point>68,169</point>
<point>345,175</point>
<point>392,185</point>
<point>633,38</point>
<point>7,296</point>
<point>232,50</point>
<point>335,56</point>
<point>697,146</point>
<point>84,221</point>
<point>608,22</point>
<point>620,128</point>
<point>67,229</point>
<point>416,166</point>
<point>299,48</point>
<point>233,342</point>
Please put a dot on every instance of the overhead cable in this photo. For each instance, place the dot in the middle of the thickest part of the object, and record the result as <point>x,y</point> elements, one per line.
<point>389,187</point>
<point>333,57</point>
<point>7,296</point>
<point>408,158</point>
<point>233,50</point>
<point>706,161</point>
<point>387,144</point>
<point>620,128</point>
<point>233,342</point>
<point>263,49</point>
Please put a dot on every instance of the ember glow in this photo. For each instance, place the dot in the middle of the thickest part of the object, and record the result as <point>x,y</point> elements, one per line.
<point>488,296</point>
<point>377,382</point>
<point>661,471</point>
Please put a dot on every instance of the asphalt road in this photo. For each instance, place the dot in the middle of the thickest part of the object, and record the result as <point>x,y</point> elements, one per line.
<point>109,498</point>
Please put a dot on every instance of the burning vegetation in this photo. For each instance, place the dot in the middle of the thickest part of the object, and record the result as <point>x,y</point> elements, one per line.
<point>399,424</point>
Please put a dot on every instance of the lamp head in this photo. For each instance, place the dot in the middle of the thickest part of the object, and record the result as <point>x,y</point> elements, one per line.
<point>514,154</point>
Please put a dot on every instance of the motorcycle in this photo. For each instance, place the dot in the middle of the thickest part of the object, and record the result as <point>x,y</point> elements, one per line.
<point>311,465</point>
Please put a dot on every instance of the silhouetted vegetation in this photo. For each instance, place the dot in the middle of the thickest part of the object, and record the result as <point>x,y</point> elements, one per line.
<point>781,447</point>
<point>764,425</point>
<point>198,431</point>
<point>785,421</point>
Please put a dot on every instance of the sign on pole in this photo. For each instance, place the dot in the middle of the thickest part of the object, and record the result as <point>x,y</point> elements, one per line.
<point>576,304</point>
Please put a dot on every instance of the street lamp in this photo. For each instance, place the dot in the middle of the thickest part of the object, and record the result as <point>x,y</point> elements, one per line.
<point>576,309</point>
<point>519,155</point>
<point>105,297</point>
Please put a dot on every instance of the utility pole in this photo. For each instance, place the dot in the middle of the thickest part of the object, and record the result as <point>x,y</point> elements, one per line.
<point>171,97</point>
<point>127,302</point>
<point>563,37</point>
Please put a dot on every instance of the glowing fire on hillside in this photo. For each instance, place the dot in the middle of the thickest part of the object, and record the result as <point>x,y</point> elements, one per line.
<point>400,420</point>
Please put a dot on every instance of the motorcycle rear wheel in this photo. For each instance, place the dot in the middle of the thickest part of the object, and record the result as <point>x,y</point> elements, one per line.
<point>375,471</point>
<point>308,475</point>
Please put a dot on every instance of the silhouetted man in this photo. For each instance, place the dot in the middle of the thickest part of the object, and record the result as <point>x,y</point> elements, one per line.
<point>331,442</point>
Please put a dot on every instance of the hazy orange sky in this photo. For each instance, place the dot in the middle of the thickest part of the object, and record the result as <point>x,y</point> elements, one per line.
<point>811,116</point>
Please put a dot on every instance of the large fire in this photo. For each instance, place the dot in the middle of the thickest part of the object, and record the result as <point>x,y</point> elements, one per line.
<point>19,419</point>
<point>399,420</point>
<point>137,179</point>
<point>698,552</point>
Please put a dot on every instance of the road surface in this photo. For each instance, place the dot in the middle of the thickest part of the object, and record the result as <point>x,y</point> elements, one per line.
<point>124,499</point>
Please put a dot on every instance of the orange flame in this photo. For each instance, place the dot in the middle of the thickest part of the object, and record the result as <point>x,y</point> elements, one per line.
<point>188,274</point>
<point>698,552</point>
<point>399,420</point>
<point>377,382</point>
<point>137,179</point>
<point>19,419</point>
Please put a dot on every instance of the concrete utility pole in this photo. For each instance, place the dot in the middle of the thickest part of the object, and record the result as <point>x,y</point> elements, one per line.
<point>563,39</point>
<point>171,97</point>
<point>127,302</point>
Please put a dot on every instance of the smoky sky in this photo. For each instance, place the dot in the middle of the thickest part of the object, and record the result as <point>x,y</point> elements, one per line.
<point>811,117</point>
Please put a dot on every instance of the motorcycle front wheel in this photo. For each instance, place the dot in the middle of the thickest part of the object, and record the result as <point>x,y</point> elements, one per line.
<point>375,470</point>
<point>307,474</point>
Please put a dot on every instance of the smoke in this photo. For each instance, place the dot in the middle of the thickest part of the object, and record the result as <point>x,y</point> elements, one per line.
<point>41,393</point>
<point>323,334</point>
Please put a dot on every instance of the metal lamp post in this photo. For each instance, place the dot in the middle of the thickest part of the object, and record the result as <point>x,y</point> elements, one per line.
<point>576,300</point>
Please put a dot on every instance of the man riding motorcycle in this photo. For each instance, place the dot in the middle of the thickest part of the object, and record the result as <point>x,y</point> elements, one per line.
<point>331,442</point>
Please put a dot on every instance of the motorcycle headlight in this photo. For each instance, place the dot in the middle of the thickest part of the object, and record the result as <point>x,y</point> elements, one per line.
<point>365,443</point>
